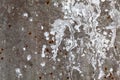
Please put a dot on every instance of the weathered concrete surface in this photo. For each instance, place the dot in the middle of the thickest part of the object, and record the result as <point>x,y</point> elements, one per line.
<point>59,40</point>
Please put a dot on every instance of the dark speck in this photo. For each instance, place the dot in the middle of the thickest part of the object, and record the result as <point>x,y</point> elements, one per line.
<point>2,58</point>
<point>67,77</point>
<point>48,2</point>
<point>9,26</point>
<point>40,77</point>
<point>29,33</point>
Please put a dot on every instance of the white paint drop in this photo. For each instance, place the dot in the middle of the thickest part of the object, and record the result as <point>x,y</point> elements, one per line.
<point>42,27</point>
<point>42,64</point>
<point>58,60</point>
<point>102,0</point>
<point>30,19</point>
<point>25,14</point>
<point>105,33</point>
<point>36,14</point>
<point>56,4</point>
<point>83,55</point>
<point>25,66</point>
<point>54,67</point>
<point>22,28</point>
<point>29,57</point>
<point>106,10</point>
<point>111,69</point>
<point>24,49</point>
<point>35,52</point>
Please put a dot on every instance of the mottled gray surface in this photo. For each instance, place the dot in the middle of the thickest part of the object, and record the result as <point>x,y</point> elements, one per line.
<point>85,46</point>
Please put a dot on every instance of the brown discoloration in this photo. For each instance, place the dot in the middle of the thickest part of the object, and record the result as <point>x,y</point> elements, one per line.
<point>108,17</point>
<point>1,50</point>
<point>35,37</point>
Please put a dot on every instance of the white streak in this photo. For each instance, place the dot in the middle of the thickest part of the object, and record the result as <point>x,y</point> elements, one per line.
<point>43,49</point>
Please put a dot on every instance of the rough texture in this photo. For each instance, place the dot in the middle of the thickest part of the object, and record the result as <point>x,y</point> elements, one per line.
<point>59,40</point>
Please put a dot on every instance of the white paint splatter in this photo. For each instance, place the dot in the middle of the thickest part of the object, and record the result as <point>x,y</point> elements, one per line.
<point>46,34</point>
<point>85,15</point>
<point>101,74</point>
<point>18,72</point>
<point>58,28</point>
